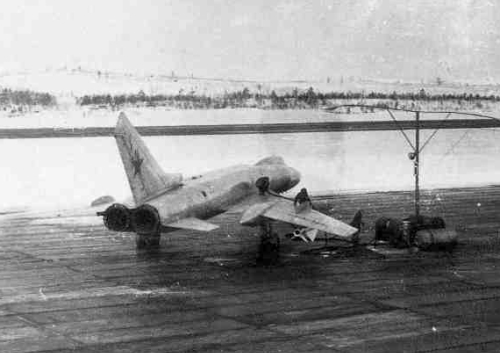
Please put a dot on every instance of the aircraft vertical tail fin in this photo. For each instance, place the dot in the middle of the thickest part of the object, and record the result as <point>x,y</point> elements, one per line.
<point>145,176</point>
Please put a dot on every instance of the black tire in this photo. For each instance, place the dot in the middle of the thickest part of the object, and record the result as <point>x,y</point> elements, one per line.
<point>438,223</point>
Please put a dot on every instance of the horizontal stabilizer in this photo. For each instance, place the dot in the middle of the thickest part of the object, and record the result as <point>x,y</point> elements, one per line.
<point>194,224</point>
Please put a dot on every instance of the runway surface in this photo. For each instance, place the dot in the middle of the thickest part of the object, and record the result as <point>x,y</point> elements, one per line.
<point>68,284</point>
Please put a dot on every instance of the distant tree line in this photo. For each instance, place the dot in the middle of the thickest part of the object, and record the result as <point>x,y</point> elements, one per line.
<point>182,100</point>
<point>10,97</point>
<point>420,96</point>
<point>294,99</point>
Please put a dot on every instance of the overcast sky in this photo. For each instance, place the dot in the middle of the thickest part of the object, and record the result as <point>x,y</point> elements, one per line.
<point>257,39</point>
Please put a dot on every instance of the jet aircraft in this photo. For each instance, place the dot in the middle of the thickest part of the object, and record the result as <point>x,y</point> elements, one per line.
<point>166,202</point>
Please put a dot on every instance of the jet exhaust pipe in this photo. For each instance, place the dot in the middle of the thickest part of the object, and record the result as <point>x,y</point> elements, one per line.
<point>145,220</point>
<point>116,217</point>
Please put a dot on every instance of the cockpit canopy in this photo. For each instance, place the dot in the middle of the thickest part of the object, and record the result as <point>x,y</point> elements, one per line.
<point>272,160</point>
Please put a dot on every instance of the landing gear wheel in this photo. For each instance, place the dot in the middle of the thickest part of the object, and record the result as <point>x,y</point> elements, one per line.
<point>147,241</point>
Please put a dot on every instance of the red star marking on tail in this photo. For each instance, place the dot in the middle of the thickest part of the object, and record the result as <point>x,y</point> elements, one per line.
<point>137,162</point>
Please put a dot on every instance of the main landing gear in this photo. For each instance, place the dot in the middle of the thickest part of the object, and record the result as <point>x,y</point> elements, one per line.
<point>269,247</point>
<point>147,241</point>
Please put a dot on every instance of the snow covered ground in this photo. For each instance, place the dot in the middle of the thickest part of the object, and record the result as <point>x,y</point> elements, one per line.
<point>70,83</point>
<point>67,85</point>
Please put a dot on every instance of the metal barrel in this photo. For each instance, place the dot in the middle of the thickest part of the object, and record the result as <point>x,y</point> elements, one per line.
<point>429,238</point>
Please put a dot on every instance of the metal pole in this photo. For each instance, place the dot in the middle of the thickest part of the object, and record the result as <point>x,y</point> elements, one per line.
<point>416,164</point>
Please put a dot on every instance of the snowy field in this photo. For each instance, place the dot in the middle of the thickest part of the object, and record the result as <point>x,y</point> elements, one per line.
<point>71,83</point>
<point>68,85</point>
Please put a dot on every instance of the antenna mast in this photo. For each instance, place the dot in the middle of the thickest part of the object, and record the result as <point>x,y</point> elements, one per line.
<point>416,149</point>
<point>416,164</point>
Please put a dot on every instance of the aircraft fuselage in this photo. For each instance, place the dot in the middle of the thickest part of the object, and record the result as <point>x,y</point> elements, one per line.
<point>213,193</point>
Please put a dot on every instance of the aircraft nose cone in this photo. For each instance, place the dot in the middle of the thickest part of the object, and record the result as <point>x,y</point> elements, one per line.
<point>294,177</point>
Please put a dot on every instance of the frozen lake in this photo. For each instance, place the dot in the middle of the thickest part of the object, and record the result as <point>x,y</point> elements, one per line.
<point>72,172</point>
